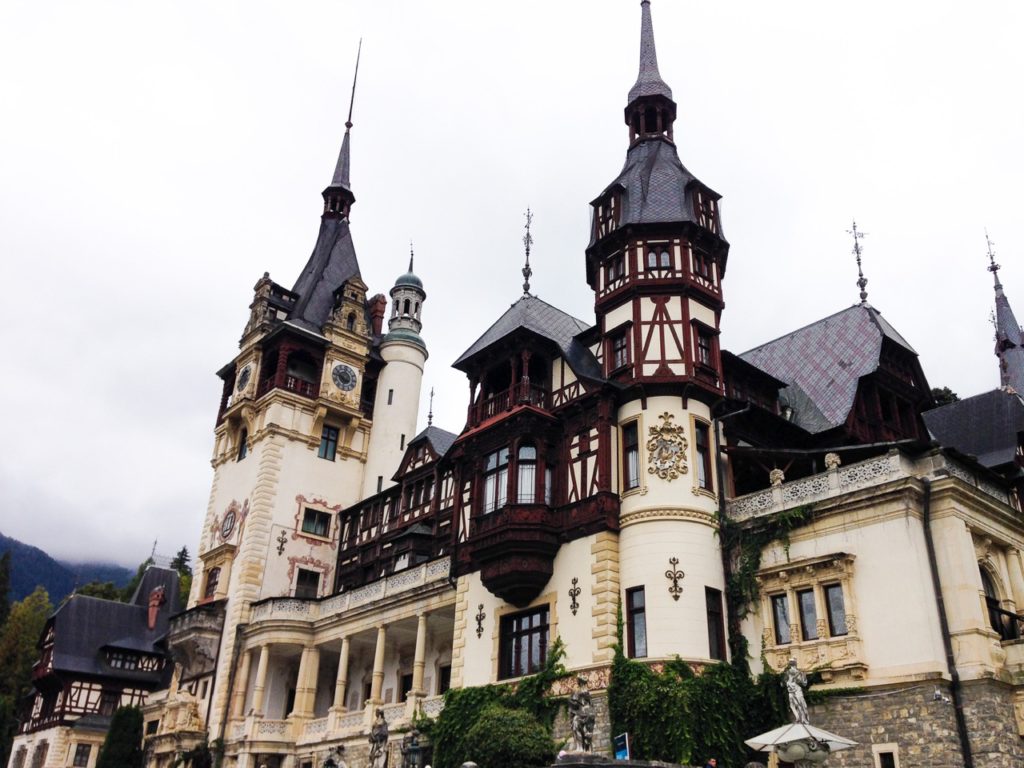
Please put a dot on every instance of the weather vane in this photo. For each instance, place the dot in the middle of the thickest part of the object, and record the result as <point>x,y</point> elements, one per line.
<point>430,413</point>
<point>527,242</point>
<point>862,282</point>
<point>992,266</point>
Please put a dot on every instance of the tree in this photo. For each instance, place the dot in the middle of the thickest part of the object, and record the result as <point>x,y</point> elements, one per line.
<point>944,396</point>
<point>19,639</point>
<point>129,591</point>
<point>106,590</point>
<point>123,746</point>
<point>180,562</point>
<point>504,736</point>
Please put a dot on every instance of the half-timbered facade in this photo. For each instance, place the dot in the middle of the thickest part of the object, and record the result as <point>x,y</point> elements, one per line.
<point>95,655</point>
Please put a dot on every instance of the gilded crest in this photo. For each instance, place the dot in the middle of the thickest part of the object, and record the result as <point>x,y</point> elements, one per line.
<point>666,449</point>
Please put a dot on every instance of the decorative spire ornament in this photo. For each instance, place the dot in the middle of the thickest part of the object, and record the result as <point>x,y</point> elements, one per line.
<point>411,256</point>
<point>341,171</point>
<point>527,242</point>
<point>992,266</point>
<point>430,413</point>
<point>862,282</point>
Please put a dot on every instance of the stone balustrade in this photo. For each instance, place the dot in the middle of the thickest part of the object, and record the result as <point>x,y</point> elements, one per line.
<point>861,475</point>
<point>299,609</point>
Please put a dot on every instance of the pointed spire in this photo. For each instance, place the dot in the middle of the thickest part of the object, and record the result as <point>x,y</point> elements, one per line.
<point>1009,337</point>
<point>648,81</point>
<point>411,256</point>
<point>862,282</point>
<point>527,242</point>
<point>992,266</point>
<point>341,170</point>
<point>430,413</point>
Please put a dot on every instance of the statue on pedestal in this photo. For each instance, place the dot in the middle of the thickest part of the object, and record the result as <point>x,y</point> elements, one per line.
<point>795,682</point>
<point>378,741</point>
<point>581,717</point>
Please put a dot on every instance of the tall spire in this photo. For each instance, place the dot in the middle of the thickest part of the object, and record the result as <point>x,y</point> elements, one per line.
<point>862,282</point>
<point>341,170</point>
<point>648,81</point>
<point>411,256</point>
<point>1009,337</point>
<point>527,242</point>
<point>430,413</point>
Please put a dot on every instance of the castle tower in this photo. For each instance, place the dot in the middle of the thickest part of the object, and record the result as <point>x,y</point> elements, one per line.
<point>655,262</point>
<point>398,387</point>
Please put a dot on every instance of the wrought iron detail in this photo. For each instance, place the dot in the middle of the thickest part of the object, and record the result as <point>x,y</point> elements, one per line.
<point>480,616</point>
<point>574,592</point>
<point>673,574</point>
<point>282,539</point>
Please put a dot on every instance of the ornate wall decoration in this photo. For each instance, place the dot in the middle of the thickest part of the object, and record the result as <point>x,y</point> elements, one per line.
<point>480,616</point>
<point>666,449</point>
<point>282,540</point>
<point>574,592</point>
<point>674,575</point>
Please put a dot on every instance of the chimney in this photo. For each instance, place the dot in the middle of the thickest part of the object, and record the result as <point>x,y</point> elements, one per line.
<point>156,598</point>
<point>378,306</point>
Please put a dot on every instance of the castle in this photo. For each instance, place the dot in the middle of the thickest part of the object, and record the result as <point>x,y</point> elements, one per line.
<point>350,563</point>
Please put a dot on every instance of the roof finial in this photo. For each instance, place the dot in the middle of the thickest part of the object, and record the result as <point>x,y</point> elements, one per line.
<point>992,266</point>
<point>411,255</point>
<point>527,242</point>
<point>341,171</point>
<point>430,413</point>
<point>862,282</point>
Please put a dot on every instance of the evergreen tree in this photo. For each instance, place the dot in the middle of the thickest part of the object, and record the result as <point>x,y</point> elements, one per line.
<point>180,563</point>
<point>123,746</point>
<point>128,591</point>
<point>105,589</point>
<point>18,653</point>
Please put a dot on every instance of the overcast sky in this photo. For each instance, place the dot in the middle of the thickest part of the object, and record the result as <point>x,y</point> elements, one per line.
<point>157,158</point>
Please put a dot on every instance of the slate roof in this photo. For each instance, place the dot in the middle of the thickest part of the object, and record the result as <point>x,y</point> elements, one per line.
<point>1009,340</point>
<point>823,362</point>
<point>653,185</point>
<point>648,81</point>
<point>538,316</point>
<point>984,426</point>
<point>84,626</point>
<point>440,439</point>
<point>332,262</point>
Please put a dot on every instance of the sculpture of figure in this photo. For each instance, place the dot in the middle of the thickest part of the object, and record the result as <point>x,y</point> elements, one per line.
<point>411,751</point>
<point>378,741</point>
<point>581,716</point>
<point>795,681</point>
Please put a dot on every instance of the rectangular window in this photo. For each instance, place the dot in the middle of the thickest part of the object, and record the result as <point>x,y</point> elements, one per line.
<point>243,444</point>
<point>391,396</point>
<point>658,257</point>
<point>380,483</point>
<point>703,448</point>
<point>836,610</point>
<point>630,456</point>
<point>549,477</point>
<point>886,760</point>
<point>328,443</point>
<point>81,755</point>
<point>808,614</point>
<point>212,579</point>
<point>401,443</point>
<point>444,678</point>
<point>151,727</point>
<point>716,623</point>
<point>705,355</point>
<point>307,584</point>
<point>109,700</point>
<point>316,522</point>
<point>636,622</point>
<point>620,350</point>
<point>780,614</point>
<point>405,685</point>
<point>524,642</point>
<point>701,264</point>
<point>496,481</point>
<point>615,269</point>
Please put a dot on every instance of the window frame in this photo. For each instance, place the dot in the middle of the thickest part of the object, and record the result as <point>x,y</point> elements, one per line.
<point>783,630</point>
<point>243,444</point>
<point>526,479</point>
<point>512,633</point>
<point>328,443</point>
<point>212,581</point>
<point>300,573</point>
<point>636,617</point>
<point>318,517</point>
<point>717,642</point>
<point>631,481</point>
<point>82,753</point>
<point>704,476</point>
<point>835,588</point>
<point>494,481</point>
<point>659,249</point>
<point>808,629</point>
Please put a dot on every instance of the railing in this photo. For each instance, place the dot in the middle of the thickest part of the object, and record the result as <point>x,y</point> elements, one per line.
<point>292,384</point>
<point>523,393</point>
<point>298,609</point>
<point>274,730</point>
<point>1009,625</point>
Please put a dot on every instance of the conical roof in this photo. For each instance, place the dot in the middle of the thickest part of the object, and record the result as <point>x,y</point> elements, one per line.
<point>648,81</point>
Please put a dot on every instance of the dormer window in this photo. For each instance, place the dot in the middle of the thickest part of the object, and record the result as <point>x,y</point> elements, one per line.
<point>707,210</point>
<point>606,214</point>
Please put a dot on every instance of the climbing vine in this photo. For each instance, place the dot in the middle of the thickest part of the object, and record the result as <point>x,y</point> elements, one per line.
<point>521,735</point>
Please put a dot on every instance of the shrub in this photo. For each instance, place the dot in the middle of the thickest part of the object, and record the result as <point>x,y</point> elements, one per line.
<point>123,746</point>
<point>503,737</point>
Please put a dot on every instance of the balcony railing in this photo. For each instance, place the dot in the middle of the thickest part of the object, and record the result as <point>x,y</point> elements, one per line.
<point>1009,625</point>
<point>292,384</point>
<point>523,393</point>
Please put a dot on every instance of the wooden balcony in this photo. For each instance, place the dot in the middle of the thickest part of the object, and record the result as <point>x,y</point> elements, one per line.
<point>523,393</point>
<point>290,383</point>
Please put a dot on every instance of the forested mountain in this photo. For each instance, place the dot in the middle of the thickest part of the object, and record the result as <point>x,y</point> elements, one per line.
<point>31,566</point>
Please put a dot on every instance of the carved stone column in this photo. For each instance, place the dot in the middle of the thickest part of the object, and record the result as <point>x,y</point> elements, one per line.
<point>305,688</point>
<point>419,660</point>
<point>342,680</point>
<point>260,688</point>
<point>241,684</point>
<point>377,682</point>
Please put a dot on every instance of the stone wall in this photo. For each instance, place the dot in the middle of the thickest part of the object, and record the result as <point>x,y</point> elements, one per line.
<point>923,729</point>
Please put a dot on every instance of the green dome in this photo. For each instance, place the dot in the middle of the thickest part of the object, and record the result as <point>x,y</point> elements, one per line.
<point>409,280</point>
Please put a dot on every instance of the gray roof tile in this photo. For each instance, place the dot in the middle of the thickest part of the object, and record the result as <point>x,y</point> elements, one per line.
<point>984,426</point>
<point>332,262</point>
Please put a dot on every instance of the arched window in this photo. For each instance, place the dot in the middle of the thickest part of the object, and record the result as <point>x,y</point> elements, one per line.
<point>526,479</point>
<point>405,307</point>
<point>350,321</point>
<point>495,481</point>
<point>212,579</point>
<point>658,256</point>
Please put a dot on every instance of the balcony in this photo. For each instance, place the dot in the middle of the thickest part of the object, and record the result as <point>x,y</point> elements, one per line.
<point>290,383</point>
<point>194,637</point>
<point>523,393</point>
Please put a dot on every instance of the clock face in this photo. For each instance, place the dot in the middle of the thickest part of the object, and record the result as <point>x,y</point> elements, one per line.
<point>228,525</point>
<point>344,377</point>
<point>243,378</point>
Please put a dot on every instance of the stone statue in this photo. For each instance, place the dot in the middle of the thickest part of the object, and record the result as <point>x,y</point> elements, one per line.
<point>411,750</point>
<point>581,716</point>
<point>795,682</point>
<point>378,741</point>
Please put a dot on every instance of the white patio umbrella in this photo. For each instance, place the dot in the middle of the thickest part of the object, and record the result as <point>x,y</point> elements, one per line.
<point>779,737</point>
